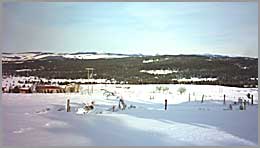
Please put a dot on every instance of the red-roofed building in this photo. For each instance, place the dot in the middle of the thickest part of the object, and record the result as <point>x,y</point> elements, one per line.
<point>24,90</point>
<point>49,89</point>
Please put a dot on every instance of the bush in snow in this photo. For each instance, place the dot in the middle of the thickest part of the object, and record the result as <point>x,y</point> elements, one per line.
<point>181,90</point>
<point>161,88</point>
<point>158,88</point>
<point>165,89</point>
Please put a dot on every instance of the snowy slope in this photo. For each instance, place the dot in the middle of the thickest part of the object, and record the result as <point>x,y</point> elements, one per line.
<point>25,56</point>
<point>34,119</point>
<point>95,56</point>
<point>39,55</point>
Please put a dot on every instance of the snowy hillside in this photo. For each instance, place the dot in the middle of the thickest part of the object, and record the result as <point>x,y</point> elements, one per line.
<point>40,55</point>
<point>41,119</point>
<point>25,56</point>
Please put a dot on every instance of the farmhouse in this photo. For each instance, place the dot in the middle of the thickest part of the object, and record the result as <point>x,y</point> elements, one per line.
<point>49,89</point>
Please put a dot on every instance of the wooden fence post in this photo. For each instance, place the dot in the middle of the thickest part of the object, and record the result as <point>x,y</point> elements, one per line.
<point>189,97</point>
<point>252,100</point>
<point>68,105</point>
<point>224,99</point>
<point>113,108</point>
<point>202,99</point>
<point>165,105</point>
<point>230,106</point>
<point>244,104</point>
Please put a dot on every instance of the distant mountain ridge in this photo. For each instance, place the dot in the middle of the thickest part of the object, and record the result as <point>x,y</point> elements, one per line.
<point>23,56</point>
<point>108,53</point>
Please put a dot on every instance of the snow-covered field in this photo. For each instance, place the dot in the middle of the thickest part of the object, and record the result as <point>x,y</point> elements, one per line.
<point>41,119</point>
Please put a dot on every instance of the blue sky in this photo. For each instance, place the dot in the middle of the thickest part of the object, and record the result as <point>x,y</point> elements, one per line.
<point>147,28</point>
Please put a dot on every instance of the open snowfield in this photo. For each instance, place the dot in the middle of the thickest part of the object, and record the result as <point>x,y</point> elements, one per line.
<point>42,120</point>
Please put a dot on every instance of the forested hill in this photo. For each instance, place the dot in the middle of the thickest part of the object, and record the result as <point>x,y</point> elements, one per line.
<point>231,71</point>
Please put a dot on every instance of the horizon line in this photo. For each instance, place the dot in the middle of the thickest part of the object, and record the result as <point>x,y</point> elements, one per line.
<point>156,54</point>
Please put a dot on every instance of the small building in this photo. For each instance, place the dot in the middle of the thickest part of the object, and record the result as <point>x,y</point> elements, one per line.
<point>71,88</point>
<point>49,89</point>
<point>24,90</point>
